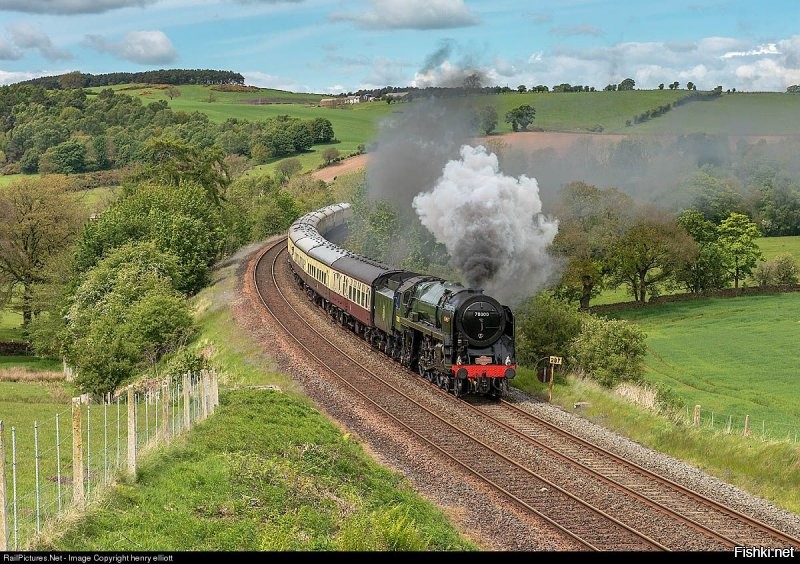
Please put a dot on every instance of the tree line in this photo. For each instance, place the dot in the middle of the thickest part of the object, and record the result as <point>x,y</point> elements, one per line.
<point>77,79</point>
<point>70,131</point>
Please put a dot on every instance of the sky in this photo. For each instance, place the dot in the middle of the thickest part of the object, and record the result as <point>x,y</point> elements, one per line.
<point>337,46</point>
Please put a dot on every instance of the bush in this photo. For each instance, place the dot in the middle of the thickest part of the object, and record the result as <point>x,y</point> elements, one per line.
<point>609,351</point>
<point>544,326</point>
<point>785,269</point>
<point>288,167</point>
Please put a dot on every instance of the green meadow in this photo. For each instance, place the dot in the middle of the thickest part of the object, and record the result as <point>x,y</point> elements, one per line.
<point>353,125</point>
<point>734,357</point>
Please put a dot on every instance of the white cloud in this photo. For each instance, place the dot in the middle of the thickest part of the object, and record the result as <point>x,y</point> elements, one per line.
<point>69,6</point>
<point>769,49</point>
<point>26,36</point>
<point>411,14</point>
<point>9,51</point>
<point>7,77</point>
<point>143,47</point>
<point>769,67</point>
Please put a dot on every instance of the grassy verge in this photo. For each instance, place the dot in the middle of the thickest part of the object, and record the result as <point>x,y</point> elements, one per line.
<point>267,472</point>
<point>768,469</point>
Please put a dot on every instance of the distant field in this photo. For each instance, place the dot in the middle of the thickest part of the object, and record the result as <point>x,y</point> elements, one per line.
<point>764,113</point>
<point>10,326</point>
<point>772,246</point>
<point>733,357</point>
<point>354,125</point>
<point>583,111</point>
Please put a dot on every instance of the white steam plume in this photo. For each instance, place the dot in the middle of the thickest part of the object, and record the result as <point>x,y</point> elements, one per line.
<point>491,224</point>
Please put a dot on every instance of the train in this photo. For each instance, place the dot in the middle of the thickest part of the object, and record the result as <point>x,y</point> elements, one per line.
<point>455,337</point>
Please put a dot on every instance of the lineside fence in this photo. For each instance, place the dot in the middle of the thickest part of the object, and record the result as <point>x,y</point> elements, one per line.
<point>64,463</point>
<point>742,425</point>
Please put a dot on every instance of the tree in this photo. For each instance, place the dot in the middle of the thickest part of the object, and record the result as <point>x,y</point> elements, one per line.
<point>626,84</point>
<point>125,315</point>
<point>329,155</point>
<point>71,80</point>
<point>487,119</point>
<point>707,271</point>
<point>520,117</point>
<point>609,351</point>
<point>590,220</point>
<point>288,167</point>
<point>179,220</point>
<point>321,130</point>
<point>649,253</point>
<point>38,219</point>
<point>472,82</point>
<point>308,193</point>
<point>522,88</point>
<point>737,235</point>
<point>68,157</point>
<point>173,92</point>
<point>545,326</point>
<point>169,160</point>
<point>690,86</point>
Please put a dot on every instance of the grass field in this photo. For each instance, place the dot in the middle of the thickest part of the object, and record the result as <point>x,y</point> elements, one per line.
<point>772,246</point>
<point>10,326</point>
<point>734,357</point>
<point>353,125</point>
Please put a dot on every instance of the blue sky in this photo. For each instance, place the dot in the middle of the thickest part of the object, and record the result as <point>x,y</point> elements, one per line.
<point>332,46</point>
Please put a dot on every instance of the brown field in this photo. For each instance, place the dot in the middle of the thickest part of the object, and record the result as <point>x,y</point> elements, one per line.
<point>527,141</point>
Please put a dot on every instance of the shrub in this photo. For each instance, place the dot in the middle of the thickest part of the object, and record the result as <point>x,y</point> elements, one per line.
<point>785,269</point>
<point>544,326</point>
<point>609,351</point>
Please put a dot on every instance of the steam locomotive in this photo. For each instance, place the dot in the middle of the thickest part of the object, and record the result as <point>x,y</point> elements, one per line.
<point>455,337</point>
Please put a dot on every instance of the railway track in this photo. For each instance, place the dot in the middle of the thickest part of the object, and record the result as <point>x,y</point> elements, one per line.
<point>593,498</point>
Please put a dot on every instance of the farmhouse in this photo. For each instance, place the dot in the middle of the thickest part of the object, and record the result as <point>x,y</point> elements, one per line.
<point>341,101</point>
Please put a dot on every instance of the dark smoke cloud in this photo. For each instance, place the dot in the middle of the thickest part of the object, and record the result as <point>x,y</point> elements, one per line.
<point>413,145</point>
<point>439,56</point>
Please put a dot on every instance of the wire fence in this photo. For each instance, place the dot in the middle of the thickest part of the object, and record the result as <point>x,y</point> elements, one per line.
<point>65,462</point>
<point>742,425</point>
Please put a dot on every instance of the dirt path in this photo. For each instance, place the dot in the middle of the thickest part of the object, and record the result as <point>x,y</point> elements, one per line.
<point>329,173</point>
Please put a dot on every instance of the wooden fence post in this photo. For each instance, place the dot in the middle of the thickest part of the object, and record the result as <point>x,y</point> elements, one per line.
<point>77,453</point>
<point>746,425</point>
<point>3,511</point>
<point>187,409</point>
<point>132,426</point>
<point>216,387</point>
<point>165,410</point>
<point>696,415</point>
<point>204,393</point>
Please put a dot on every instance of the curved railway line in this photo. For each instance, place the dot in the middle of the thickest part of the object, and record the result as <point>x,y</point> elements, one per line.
<point>587,496</point>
